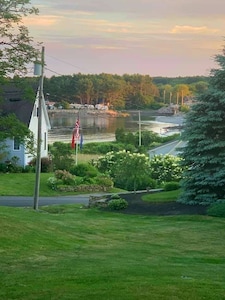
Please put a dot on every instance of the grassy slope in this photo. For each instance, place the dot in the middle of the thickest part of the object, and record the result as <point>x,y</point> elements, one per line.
<point>22,184</point>
<point>77,253</point>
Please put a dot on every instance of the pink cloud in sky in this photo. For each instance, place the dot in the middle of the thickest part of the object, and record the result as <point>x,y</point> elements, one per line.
<point>169,38</point>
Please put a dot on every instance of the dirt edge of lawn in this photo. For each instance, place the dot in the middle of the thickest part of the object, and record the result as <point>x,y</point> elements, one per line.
<point>137,206</point>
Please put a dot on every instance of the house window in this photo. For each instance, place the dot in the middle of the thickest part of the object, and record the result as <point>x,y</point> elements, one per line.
<point>16,144</point>
<point>45,141</point>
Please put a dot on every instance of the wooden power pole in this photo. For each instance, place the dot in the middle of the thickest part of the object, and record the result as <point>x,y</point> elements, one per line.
<point>39,133</point>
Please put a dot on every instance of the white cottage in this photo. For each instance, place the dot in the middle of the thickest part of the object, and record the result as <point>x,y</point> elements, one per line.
<point>26,111</point>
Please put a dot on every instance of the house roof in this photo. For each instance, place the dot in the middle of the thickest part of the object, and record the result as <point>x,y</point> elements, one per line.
<point>15,100</point>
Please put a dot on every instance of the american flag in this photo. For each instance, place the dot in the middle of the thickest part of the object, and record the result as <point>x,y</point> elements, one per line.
<point>76,134</point>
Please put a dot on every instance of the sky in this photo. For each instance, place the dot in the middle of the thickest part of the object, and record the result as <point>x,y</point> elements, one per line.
<point>159,38</point>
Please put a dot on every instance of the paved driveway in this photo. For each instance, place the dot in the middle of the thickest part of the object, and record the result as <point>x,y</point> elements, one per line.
<point>18,201</point>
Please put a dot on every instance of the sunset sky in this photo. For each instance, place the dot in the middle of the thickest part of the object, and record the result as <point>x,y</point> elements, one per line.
<point>159,38</point>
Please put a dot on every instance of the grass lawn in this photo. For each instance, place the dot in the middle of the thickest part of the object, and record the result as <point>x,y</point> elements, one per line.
<point>69,252</point>
<point>162,196</point>
<point>22,184</point>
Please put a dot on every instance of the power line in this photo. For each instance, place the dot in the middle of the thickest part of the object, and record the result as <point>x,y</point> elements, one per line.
<point>65,62</point>
<point>53,71</point>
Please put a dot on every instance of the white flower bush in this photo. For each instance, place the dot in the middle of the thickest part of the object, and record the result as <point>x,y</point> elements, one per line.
<point>136,170</point>
<point>127,169</point>
<point>166,168</point>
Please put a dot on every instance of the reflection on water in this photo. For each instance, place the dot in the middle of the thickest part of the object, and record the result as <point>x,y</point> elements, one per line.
<point>98,127</point>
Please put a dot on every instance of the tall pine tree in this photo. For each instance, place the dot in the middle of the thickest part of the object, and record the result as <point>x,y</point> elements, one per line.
<point>204,154</point>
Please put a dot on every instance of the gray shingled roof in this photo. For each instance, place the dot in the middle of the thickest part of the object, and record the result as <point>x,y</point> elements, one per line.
<point>14,100</point>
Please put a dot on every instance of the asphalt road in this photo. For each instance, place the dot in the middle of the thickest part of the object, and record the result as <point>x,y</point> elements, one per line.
<point>18,201</point>
<point>21,201</point>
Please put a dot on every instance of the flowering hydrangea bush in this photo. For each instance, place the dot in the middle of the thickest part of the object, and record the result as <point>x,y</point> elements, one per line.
<point>52,183</point>
<point>128,170</point>
<point>166,168</point>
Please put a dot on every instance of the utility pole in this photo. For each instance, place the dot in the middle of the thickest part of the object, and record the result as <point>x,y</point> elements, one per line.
<point>170,97</point>
<point>177,98</point>
<point>39,133</point>
<point>139,122</point>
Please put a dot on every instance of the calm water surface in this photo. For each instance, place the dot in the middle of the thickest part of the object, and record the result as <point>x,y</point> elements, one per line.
<point>102,127</point>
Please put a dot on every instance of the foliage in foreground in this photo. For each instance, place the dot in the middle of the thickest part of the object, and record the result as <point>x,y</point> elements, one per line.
<point>117,203</point>
<point>68,252</point>
<point>217,210</point>
<point>67,182</point>
<point>135,171</point>
<point>204,155</point>
<point>16,44</point>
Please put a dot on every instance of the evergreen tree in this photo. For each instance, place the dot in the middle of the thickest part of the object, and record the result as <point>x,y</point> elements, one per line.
<point>204,154</point>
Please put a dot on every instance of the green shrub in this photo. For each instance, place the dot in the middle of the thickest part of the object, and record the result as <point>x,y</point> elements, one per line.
<point>171,186</point>
<point>104,180</point>
<point>61,155</point>
<point>84,170</point>
<point>117,204</point>
<point>3,168</point>
<point>52,183</point>
<point>217,210</point>
<point>65,176</point>
<point>46,164</point>
<point>29,169</point>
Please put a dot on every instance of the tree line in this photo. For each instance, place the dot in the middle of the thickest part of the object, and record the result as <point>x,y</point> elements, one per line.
<point>128,91</point>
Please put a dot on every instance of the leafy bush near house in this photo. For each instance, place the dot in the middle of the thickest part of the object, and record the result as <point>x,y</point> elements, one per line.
<point>3,168</point>
<point>171,186</point>
<point>46,164</point>
<point>29,169</point>
<point>217,210</point>
<point>117,204</point>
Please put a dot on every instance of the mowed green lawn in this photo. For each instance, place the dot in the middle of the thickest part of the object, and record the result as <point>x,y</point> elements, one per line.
<point>70,252</point>
<point>22,184</point>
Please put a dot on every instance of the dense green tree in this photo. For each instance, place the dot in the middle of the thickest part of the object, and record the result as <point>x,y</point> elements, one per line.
<point>204,154</point>
<point>17,48</point>
<point>198,87</point>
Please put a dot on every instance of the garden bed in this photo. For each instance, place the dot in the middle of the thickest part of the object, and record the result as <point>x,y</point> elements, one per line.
<point>137,206</point>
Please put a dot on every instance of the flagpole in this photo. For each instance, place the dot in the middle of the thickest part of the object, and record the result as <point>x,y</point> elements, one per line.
<point>76,152</point>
